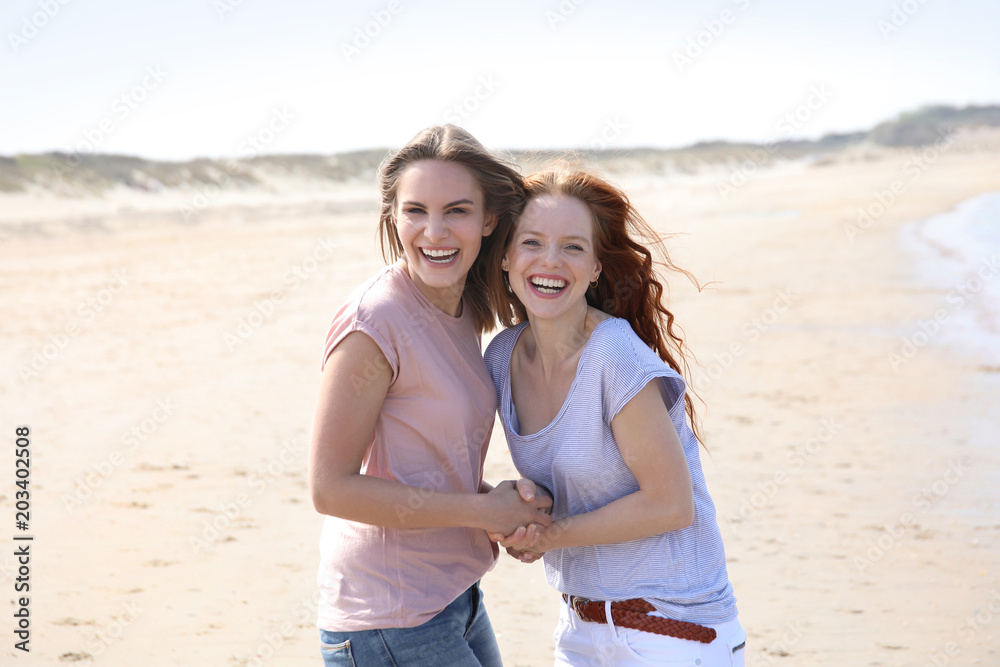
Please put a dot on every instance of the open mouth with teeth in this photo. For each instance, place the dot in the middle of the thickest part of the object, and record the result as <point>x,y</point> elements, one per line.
<point>548,285</point>
<point>439,256</point>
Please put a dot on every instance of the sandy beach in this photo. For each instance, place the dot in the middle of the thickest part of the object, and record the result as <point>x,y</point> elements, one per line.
<point>168,369</point>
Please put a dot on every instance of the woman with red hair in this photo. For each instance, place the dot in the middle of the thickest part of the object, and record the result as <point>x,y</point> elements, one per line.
<point>595,409</point>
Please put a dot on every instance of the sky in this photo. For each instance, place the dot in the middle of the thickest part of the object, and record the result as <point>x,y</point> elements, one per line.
<point>218,78</point>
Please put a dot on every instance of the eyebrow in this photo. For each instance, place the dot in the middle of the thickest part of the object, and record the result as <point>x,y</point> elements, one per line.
<point>448,205</point>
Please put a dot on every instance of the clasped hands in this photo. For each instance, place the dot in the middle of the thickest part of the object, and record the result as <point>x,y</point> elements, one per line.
<point>522,543</point>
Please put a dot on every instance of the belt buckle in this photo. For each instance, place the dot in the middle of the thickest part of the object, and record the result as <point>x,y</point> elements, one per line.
<point>574,600</point>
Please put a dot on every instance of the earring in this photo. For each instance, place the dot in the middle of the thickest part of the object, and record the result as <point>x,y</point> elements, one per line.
<point>504,266</point>
<point>593,283</point>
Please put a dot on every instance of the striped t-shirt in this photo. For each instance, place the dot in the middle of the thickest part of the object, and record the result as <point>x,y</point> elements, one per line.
<point>681,572</point>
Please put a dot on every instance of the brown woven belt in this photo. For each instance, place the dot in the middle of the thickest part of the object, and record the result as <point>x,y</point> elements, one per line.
<point>633,614</point>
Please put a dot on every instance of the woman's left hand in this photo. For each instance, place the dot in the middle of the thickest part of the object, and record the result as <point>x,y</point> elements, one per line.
<point>521,539</point>
<point>525,537</point>
<point>527,556</point>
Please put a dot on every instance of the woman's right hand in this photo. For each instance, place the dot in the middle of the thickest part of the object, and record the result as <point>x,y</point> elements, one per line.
<point>512,510</point>
<point>525,537</point>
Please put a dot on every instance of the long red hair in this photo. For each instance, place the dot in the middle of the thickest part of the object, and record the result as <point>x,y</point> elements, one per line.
<point>632,256</point>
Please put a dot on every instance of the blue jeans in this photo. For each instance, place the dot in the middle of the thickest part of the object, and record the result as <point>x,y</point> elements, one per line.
<point>459,636</point>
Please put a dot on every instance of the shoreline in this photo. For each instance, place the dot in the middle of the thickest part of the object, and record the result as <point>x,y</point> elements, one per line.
<point>960,251</point>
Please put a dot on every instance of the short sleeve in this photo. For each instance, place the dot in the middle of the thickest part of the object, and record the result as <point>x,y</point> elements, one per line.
<point>358,315</point>
<point>628,366</point>
<point>497,357</point>
<point>492,357</point>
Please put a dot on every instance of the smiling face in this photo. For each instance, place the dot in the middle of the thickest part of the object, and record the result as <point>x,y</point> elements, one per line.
<point>551,259</point>
<point>441,221</point>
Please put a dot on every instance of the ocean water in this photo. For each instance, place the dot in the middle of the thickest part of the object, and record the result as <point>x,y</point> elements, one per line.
<point>958,253</point>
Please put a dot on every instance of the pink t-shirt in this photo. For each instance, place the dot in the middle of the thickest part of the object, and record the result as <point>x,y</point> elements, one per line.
<point>432,433</point>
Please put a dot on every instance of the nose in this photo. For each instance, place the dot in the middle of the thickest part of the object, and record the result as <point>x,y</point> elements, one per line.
<point>551,257</point>
<point>436,230</point>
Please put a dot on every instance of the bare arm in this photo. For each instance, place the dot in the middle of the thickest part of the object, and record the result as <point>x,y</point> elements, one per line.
<point>350,399</point>
<point>653,452</point>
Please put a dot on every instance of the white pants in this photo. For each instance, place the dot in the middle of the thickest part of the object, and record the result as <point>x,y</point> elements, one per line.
<point>586,644</point>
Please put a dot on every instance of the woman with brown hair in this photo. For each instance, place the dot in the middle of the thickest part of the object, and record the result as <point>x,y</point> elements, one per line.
<point>404,417</point>
<point>595,409</point>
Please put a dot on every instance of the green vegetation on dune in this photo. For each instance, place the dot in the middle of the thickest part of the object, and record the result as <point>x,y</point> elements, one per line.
<point>80,173</point>
<point>927,125</point>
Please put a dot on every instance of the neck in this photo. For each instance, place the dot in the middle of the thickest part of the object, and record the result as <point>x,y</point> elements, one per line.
<point>560,340</point>
<point>447,299</point>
